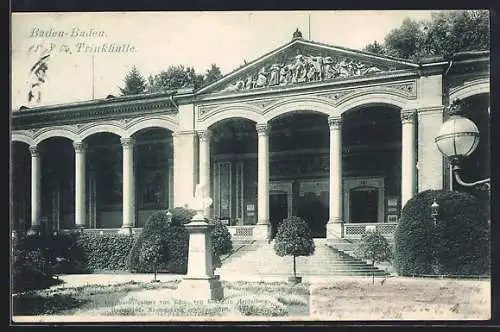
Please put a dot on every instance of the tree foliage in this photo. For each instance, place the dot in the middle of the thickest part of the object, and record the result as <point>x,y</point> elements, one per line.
<point>176,77</point>
<point>134,83</point>
<point>170,240</point>
<point>294,239</point>
<point>375,248</point>
<point>212,74</point>
<point>375,47</point>
<point>445,33</point>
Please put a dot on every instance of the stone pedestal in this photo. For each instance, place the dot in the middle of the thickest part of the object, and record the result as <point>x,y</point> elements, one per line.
<point>200,283</point>
<point>202,288</point>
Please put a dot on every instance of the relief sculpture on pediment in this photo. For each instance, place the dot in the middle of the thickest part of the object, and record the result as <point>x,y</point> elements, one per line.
<point>302,69</point>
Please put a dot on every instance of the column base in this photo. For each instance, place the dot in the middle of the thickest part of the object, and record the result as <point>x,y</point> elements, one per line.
<point>200,288</point>
<point>34,230</point>
<point>334,229</point>
<point>262,232</point>
<point>125,230</point>
<point>79,228</point>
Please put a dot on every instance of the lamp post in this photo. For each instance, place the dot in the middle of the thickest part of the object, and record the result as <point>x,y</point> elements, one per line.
<point>457,138</point>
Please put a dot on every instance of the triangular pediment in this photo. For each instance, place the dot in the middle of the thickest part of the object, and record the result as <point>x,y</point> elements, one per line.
<point>304,62</point>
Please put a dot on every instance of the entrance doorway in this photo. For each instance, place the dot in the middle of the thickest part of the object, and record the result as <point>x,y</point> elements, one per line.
<point>278,210</point>
<point>363,203</point>
<point>364,199</point>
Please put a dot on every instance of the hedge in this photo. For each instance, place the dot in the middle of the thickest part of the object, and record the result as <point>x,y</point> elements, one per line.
<point>106,252</point>
<point>457,245</point>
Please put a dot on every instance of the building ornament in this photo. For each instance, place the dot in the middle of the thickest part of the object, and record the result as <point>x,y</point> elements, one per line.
<point>303,68</point>
<point>334,122</point>
<point>127,142</point>
<point>263,129</point>
<point>407,116</point>
<point>204,135</point>
<point>79,147</point>
<point>34,151</point>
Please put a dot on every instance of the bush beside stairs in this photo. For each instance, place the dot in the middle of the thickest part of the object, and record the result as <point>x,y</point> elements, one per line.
<point>259,258</point>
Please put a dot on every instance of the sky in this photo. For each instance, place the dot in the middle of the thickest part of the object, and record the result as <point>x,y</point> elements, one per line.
<point>152,41</point>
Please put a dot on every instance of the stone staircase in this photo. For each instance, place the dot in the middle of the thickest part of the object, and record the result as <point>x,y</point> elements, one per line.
<point>259,258</point>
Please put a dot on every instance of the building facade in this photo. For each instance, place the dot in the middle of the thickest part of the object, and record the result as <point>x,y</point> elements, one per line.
<point>340,137</point>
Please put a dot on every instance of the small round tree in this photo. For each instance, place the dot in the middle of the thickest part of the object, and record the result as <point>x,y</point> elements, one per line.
<point>374,247</point>
<point>294,239</point>
<point>458,244</point>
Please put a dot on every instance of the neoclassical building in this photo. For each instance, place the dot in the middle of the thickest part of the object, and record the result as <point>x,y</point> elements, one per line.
<point>340,137</point>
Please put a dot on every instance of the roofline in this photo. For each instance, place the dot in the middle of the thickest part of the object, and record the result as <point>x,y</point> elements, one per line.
<point>368,54</point>
<point>237,70</point>
<point>147,97</point>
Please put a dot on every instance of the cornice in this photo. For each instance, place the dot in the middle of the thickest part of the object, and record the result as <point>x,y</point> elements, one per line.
<point>71,114</point>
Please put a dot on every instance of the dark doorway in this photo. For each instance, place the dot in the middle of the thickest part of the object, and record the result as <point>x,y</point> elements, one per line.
<point>278,210</point>
<point>315,213</point>
<point>363,205</point>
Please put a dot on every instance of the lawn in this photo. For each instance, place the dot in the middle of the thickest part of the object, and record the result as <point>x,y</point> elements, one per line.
<point>401,298</point>
<point>342,298</point>
<point>242,299</point>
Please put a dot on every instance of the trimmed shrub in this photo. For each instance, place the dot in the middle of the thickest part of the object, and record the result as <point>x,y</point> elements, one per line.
<point>107,252</point>
<point>457,245</point>
<point>173,242</point>
<point>62,252</point>
<point>294,239</point>
<point>221,239</point>
<point>176,246</point>
<point>30,267</point>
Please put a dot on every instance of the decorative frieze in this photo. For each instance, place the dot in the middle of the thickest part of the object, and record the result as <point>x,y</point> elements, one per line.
<point>303,68</point>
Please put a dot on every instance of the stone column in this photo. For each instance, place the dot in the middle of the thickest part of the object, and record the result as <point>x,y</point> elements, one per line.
<point>430,160</point>
<point>184,167</point>
<point>334,227</point>
<point>262,230</point>
<point>408,165</point>
<point>128,183</point>
<point>204,160</point>
<point>35,190</point>
<point>80,168</point>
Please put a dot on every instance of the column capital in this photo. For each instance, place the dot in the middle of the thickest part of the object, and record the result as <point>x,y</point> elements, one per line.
<point>34,151</point>
<point>127,142</point>
<point>334,122</point>
<point>204,135</point>
<point>263,129</point>
<point>408,116</point>
<point>79,147</point>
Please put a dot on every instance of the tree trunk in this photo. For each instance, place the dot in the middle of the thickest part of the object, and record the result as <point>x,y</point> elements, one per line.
<point>294,268</point>
<point>373,273</point>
